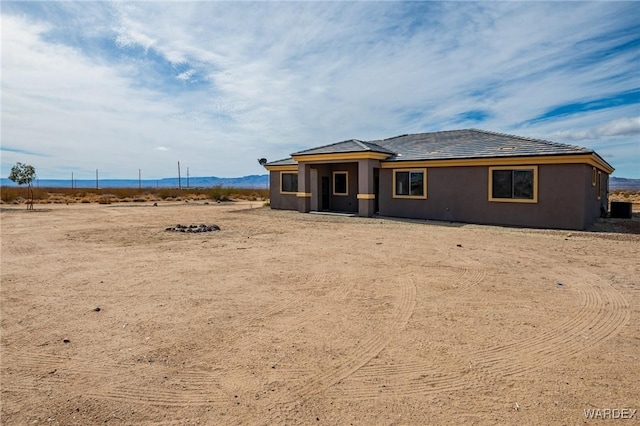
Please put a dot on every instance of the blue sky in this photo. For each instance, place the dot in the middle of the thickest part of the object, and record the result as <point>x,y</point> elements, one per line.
<point>120,86</point>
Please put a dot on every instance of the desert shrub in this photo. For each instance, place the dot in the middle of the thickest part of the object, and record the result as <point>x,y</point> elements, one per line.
<point>167,193</point>
<point>54,198</point>
<point>220,193</point>
<point>106,198</point>
<point>40,194</point>
<point>8,194</point>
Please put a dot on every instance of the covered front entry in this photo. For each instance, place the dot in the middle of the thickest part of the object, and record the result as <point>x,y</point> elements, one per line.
<point>346,187</point>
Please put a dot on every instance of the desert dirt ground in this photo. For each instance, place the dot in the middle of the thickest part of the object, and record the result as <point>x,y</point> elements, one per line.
<point>289,318</point>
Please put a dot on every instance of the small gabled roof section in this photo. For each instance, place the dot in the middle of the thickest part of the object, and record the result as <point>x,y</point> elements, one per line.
<point>348,146</point>
<point>350,150</point>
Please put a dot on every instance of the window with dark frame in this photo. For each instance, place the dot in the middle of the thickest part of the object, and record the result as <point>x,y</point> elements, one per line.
<point>340,183</point>
<point>409,183</point>
<point>514,184</point>
<point>289,182</point>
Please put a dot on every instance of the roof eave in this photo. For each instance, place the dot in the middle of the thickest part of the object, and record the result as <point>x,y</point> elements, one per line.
<point>341,156</point>
<point>590,158</point>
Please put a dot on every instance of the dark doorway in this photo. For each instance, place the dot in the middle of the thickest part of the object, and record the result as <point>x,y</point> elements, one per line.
<point>376,189</point>
<point>326,193</point>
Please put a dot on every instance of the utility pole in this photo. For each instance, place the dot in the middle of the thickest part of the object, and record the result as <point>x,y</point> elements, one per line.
<point>97,187</point>
<point>179,180</point>
<point>71,180</point>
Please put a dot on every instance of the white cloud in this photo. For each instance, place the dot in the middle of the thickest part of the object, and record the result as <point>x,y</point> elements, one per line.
<point>186,76</point>
<point>623,126</point>
<point>619,127</point>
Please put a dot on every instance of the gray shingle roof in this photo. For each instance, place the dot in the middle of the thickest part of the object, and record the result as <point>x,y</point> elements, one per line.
<point>284,162</point>
<point>352,145</point>
<point>448,145</point>
<point>471,143</point>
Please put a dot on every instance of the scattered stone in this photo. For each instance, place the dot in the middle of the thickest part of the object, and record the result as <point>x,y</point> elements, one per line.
<point>155,204</point>
<point>66,341</point>
<point>96,309</point>
<point>193,228</point>
<point>458,245</point>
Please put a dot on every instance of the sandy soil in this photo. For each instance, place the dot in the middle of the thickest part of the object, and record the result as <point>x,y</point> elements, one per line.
<point>286,318</point>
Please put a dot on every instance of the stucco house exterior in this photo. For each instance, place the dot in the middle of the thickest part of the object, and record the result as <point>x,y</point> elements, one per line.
<point>471,176</point>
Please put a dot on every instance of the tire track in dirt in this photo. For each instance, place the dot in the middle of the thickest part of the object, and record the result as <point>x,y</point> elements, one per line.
<point>359,356</point>
<point>192,387</point>
<point>470,278</point>
<point>458,277</point>
<point>195,387</point>
<point>603,312</point>
<point>339,292</point>
<point>187,396</point>
<point>291,299</point>
<point>417,378</point>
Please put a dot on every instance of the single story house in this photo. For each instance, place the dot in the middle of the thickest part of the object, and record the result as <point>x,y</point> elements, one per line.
<point>471,176</point>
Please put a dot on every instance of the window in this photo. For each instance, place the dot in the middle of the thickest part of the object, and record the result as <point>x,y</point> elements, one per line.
<point>593,176</point>
<point>518,184</point>
<point>599,185</point>
<point>410,183</point>
<point>288,182</point>
<point>340,183</point>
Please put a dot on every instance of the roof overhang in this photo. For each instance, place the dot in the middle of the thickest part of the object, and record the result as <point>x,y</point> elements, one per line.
<point>282,168</point>
<point>590,159</point>
<point>340,156</point>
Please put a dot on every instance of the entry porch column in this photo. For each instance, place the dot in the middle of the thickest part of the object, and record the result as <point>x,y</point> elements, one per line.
<point>304,188</point>
<point>366,187</point>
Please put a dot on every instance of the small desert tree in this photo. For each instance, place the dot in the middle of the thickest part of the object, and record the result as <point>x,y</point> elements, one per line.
<point>24,174</point>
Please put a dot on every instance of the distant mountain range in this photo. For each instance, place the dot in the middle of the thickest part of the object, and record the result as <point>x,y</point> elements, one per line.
<point>624,183</point>
<point>251,181</point>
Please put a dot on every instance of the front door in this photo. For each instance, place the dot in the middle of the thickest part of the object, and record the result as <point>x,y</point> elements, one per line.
<point>326,193</point>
